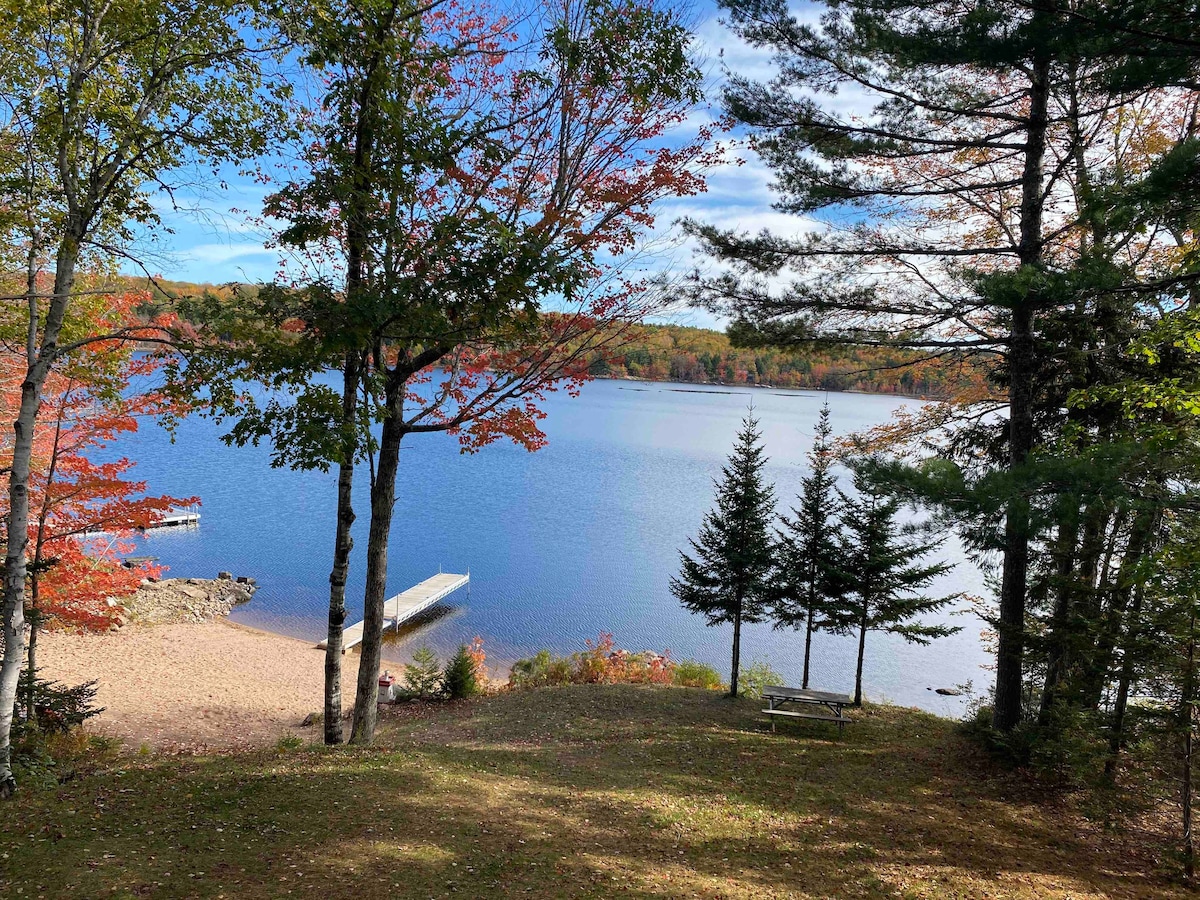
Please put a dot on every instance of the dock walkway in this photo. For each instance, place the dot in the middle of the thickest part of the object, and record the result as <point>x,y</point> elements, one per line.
<point>177,518</point>
<point>404,606</point>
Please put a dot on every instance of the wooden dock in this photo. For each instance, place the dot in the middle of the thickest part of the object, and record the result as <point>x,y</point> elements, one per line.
<point>404,606</point>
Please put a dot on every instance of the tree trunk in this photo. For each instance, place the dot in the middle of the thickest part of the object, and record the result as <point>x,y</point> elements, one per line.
<point>1187,723</point>
<point>808,630</point>
<point>14,575</point>
<point>1116,737</point>
<point>13,610</point>
<point>737,651</point>
<point>862,651</point>
<point>31,292</point>
<point>342,546</point>
<point>1100,657</point>
<point>31,650</point>
<point>383,501</point>
<point>1022,361</point>
<point>1056,639</point>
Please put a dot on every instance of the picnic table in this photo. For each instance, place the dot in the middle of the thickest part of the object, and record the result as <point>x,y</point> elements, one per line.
<point>800,703</point>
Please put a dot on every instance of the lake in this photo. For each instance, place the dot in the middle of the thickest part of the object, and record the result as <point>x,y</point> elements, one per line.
<point>578,538</point>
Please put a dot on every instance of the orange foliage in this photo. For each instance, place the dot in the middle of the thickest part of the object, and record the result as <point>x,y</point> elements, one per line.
<point>601,663</point>
<point>478,657</point>
<point>83,511</point>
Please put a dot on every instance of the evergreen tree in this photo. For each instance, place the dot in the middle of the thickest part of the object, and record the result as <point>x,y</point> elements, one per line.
<point>882,573</point>
<point>808,546</point>
<point>729,580</point>
<point>982,191</point>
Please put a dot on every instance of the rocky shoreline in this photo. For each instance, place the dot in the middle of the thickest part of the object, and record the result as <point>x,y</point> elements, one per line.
<point>176,600</point>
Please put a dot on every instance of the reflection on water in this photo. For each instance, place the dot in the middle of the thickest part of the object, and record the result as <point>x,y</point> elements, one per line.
<point>578,538</point>
<point>421,627</point>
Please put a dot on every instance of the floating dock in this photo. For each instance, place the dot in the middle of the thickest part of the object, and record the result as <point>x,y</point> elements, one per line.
<point>403,607</point>
<point>177,518</point>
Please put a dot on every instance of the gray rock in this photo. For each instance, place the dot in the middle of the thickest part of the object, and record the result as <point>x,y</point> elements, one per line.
<point>949,692</point>
<point>185,600</point>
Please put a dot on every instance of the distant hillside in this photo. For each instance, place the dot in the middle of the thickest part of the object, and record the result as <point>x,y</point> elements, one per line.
<point>704,356</point>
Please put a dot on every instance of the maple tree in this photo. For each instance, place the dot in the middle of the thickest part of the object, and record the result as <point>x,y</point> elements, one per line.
<point>474,197</point>
<point>84,510</point>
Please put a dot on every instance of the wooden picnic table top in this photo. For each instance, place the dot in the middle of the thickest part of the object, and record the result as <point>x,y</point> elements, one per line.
<point>780,692</point>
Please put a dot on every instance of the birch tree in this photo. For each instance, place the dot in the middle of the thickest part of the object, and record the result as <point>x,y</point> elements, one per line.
<point>113,98</point>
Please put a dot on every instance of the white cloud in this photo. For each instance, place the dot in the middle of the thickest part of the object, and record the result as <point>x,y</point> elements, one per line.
<point>220,254</point>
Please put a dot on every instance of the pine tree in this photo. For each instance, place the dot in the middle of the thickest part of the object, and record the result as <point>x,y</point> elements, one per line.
<point>729,580</point>
<point>808,546</point>
<point>973,177</point>
<point>881,572</point>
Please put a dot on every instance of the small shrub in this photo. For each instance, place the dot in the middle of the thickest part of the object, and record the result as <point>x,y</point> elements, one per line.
<point>32,763</point>
<point>689,673</point>
<point>288,743</point>
<point>600,663</point>
<point>758,676</point>
<point>648,667</point>
<point>48,745</point>
<point>478,657</point>
<point>540,670</point>
<point>459,680</point>
<point>46,759</point>
<point>423,676</point>
<point>56,707</point>
<point>590,665</point>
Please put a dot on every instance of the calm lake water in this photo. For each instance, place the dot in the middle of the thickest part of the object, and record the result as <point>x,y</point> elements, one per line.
<point>577,538</point>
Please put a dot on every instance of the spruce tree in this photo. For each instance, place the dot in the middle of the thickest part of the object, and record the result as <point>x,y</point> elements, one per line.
<point>729,578</point>
<point>882,573</point>
<point>973,175</point>
<point>808,546</point>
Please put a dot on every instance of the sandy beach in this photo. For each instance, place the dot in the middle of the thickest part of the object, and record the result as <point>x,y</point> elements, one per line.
<point>195,686</point>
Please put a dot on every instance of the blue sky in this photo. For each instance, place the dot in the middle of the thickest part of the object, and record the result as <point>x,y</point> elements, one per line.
<point>210,239</point>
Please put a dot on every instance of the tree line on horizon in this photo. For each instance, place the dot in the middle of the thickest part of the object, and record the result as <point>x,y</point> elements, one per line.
<point>690,354</point>
<point>704,356</point>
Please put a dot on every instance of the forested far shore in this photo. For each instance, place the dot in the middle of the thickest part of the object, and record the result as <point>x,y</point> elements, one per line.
<point>703,356</point>
<point>694,355</point>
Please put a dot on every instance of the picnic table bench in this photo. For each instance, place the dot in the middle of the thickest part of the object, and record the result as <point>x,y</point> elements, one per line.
<point>820,705</point>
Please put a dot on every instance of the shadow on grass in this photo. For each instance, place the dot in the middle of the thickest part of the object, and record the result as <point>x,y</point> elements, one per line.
<point>577,792</point>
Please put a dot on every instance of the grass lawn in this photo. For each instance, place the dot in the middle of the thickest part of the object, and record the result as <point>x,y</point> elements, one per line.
<point>577,792</point>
